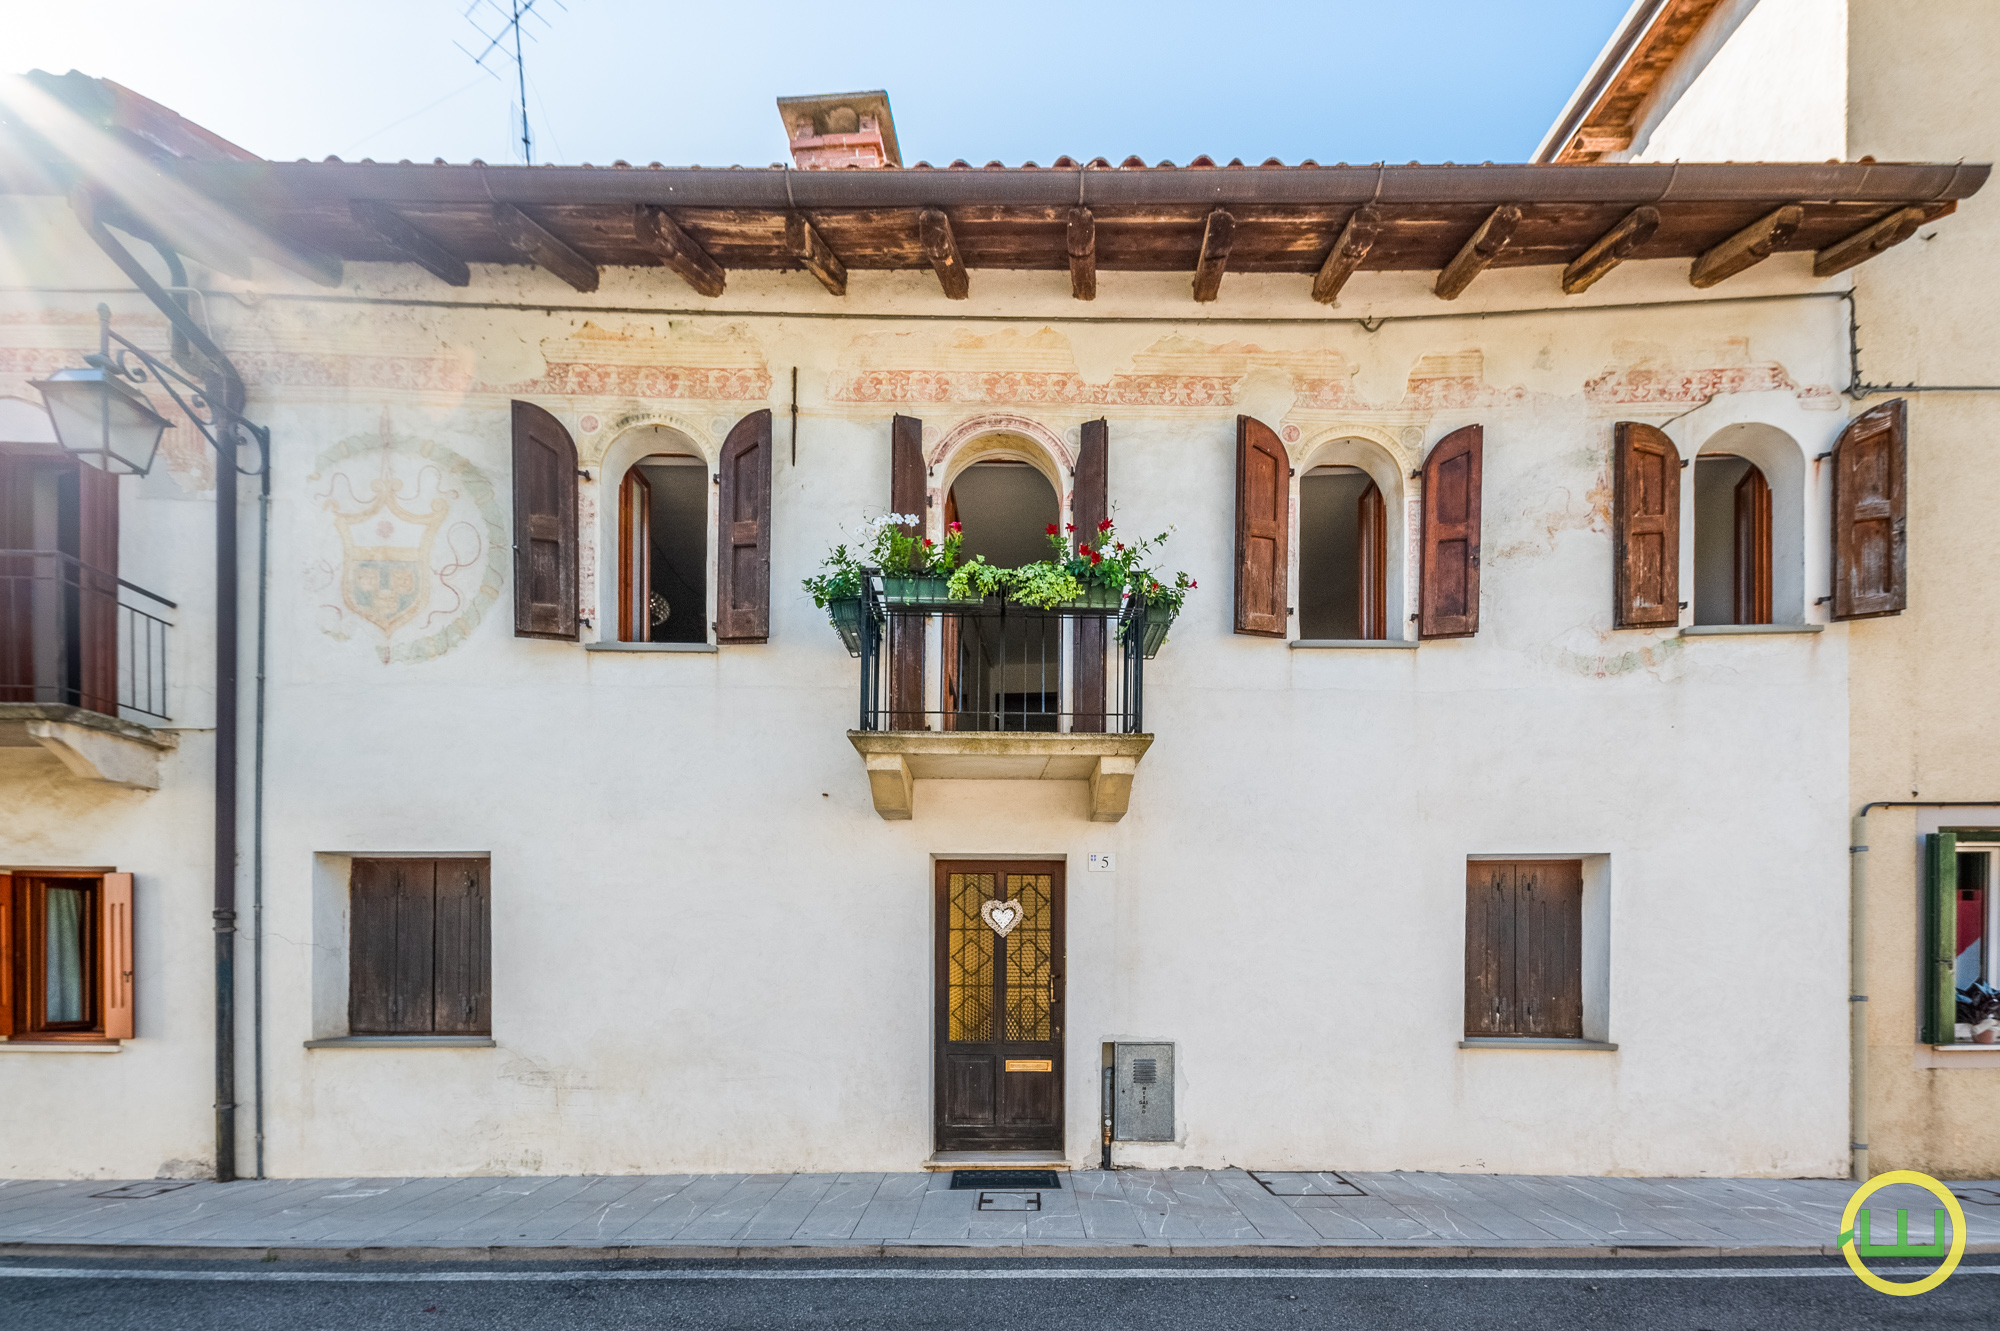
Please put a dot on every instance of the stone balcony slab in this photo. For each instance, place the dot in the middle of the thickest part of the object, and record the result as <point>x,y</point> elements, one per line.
<point>91,745</point>
<point>897,759</point>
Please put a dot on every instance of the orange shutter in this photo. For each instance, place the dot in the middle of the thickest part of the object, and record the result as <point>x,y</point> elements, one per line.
<point>1448,599</point>
<point>743,537</point>
<point>115,949</point>
<point>1263,529</point>
<point>6,954</point>
<point>1645,528</point>
<point>1869,460</point>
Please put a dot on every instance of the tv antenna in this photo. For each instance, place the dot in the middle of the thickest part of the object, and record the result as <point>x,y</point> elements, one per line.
<point>510,16</point>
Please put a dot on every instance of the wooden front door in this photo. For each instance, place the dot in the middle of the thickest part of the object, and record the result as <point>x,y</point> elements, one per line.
<point>999,1022</point>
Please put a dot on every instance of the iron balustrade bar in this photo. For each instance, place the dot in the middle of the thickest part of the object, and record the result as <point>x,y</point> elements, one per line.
<point>67,637</point>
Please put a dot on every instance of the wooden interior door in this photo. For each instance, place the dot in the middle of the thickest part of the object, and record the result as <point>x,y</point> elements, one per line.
<point>999,1014</point>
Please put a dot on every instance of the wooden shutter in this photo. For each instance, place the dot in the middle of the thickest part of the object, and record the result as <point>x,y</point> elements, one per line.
<point>392,906</point>
<point>906,632</point>
<point>1548,949</point>
<point>97,596</point>
<point>1489,948</point>
<point>462,997</point>
<point>1090,504</point>
<point>635,558</point>
<point>1263,529</point>
<point>1753,548</point>
<point>1940,987</point>
<point>8,961</point>
<point>1869,463</point>
<point>1448,595</point>
<point>1371,527</point>
<point>743,536</point>
<point>545,542</point>
<point>115,956</point>
<point>1645,528</point>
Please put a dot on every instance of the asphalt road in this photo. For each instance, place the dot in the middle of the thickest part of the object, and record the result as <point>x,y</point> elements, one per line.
<point>985,1293</point>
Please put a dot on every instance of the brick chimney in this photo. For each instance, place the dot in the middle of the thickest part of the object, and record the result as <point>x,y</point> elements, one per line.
<point>835,130</point>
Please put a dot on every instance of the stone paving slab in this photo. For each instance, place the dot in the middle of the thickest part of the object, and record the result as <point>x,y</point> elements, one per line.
<point>1196,1210</point>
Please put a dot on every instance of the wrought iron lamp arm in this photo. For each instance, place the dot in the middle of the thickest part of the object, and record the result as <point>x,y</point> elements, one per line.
<point>195,403</point>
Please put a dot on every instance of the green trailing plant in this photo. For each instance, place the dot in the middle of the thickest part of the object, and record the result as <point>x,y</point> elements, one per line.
<point>1044,585</point>
<point>975,580</point>
<point>838,579</point>
<point>899,553</point>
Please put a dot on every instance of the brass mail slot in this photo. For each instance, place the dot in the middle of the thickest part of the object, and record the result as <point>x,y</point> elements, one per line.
<point>1031,1065</point>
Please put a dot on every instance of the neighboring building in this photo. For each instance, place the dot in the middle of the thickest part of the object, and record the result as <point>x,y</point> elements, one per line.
<point>1873,80</point>
<point>1483,810</point>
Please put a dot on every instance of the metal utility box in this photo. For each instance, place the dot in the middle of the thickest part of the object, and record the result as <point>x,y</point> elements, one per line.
<point>1142,1107</point>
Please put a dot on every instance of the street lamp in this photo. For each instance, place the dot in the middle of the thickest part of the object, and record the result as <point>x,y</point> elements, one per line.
<point>101,420</point>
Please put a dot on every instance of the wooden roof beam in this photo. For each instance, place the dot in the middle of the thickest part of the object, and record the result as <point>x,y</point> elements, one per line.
<point>803,243</point>
<point>662,236</point>
<point>1216,238</point>
<point>1748,247</point>
<point>1356,239</point>
<point>1082,254</point>
<point>1479,251</point>
<point>1870,241</point>
<point>1610,249</point>
<point>394,229</point>
<point>533,242</point>
<point>942,251</point>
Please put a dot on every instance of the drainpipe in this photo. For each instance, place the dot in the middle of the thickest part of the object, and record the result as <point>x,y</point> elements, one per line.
<point>224,388</point>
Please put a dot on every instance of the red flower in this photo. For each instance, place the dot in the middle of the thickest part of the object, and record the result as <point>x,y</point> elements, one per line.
<point>1052,529</point>
<point>1096,558</point>
<point>1083,548</point>
<point>953,526</point>
<point>1119,546</point>
<point>1193,585</point>
<point>1104,525</point>
<point>927,540</point>
<point>1069,526</point>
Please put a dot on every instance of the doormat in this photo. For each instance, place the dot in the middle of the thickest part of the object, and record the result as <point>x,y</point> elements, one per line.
<point>1005,1178</point>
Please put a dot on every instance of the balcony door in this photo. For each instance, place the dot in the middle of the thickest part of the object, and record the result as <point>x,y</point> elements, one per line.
<point>999,1005</point>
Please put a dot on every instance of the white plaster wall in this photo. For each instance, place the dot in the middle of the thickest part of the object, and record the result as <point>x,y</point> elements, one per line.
<point>708,951</point>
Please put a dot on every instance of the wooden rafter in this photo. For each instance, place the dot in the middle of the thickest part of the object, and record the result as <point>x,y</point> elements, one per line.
<point>660,234</point>
<point>803,243</point>
<point>412,244</point>
<point>942,251</point>
<point>1348,252</point>
<point>1610,249</point>
<point>528,238</point>
<point>1748,247</point>
<point>1479,251</point>
<point>1216,237</point>
<point>1868,242</point>
<point>1082,254</point>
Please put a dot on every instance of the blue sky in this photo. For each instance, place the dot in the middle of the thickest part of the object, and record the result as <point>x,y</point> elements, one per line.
<point>1340,80</point>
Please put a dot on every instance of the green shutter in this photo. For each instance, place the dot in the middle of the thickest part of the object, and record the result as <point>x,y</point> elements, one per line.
<point>1940,1001</point>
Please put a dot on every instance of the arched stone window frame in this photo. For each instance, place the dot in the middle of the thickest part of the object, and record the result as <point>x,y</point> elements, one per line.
<point>636,438</point>
<point>995,437</point>
<point>1388,461</point>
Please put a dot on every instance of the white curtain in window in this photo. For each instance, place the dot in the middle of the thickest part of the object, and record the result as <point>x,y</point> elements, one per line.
<point>65,954</point>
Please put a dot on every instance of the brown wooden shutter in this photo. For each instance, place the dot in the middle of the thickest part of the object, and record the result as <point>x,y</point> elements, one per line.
<point>392,911</point>
<point>1548,949</point>
<point>1371,526</point>
<point>1870,460</point>
<point>545,540</point>
<point>743,538</point>
<point>97,593</point>
<point>1645,528</point>
<point>1489,948</point>
<point>1090,504</point>
<point>906,632</point>
<point>1263,529</point>
<point>1448,596</point>
<point>462,998</point>
<point>115,956</point>
<point>7,956</point>
<point>1753,549</point>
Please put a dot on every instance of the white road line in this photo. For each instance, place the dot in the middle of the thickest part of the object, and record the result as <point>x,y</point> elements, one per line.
<point>961,1273</point>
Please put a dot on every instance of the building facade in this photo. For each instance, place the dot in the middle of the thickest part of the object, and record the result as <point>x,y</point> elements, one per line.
<point>1482,810</point>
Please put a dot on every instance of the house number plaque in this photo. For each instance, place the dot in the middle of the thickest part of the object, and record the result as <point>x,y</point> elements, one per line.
<point>1031,1065</point>
<point>1001,916</point>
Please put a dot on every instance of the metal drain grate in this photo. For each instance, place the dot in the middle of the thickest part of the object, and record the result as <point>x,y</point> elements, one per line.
<point>1314,1183</point>
<point>150,1188</point>
<point>1010,1201</point>
<point>1005,1178</point>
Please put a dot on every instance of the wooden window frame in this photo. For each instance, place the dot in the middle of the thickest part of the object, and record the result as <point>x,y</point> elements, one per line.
<point>635,563</point>
<point>26,969</point>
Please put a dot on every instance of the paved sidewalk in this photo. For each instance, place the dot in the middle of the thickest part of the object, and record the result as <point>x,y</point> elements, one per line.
<point>1205,1211</point>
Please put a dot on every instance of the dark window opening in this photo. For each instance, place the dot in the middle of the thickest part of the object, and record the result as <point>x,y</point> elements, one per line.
<point>1003,674</point>
<point>1732,541</point>
<point>663,551</point>
<point>1343,555</point>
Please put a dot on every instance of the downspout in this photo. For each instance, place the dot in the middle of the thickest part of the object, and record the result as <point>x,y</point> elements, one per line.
<point>224,387</point>
<point>257,819</point>
<point>1857,967</point>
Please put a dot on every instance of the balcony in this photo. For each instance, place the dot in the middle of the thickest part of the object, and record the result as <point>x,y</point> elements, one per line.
<point>993,690</point>
<point>83,667</point>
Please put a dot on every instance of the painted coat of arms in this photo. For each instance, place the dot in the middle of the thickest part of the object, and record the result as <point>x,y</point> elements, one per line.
<point>421,545</point>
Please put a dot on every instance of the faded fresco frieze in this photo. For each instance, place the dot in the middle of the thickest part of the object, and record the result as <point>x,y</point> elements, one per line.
<point>682,365</point>
<point>410,550</point>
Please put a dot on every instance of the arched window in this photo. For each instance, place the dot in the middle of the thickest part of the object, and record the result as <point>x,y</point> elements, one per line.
<point>663,550</point>
<point>1343,555</point>
<point>1749,527</point>
<point>1008,676</point>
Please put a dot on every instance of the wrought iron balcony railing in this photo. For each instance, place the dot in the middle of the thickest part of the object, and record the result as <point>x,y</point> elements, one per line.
<point>73,634</point>
<point>997,666</point>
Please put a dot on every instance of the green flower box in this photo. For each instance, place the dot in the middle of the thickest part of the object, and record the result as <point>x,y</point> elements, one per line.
<point>901,589</point>
<point>1159,619</point>
<point>1098,598</point>
<point>846,613</point>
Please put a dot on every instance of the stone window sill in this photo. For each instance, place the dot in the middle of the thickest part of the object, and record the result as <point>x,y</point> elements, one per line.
<point>1351,644</point>
<point>1967,1048</point>
<point>1747,630</point>
<point>403,1042</point>
<point>649,647</point>
<point>32,1046</point>
<point>1502,1042</point>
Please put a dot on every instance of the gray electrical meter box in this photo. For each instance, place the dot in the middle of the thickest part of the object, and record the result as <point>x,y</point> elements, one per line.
<point>1142,1106</point>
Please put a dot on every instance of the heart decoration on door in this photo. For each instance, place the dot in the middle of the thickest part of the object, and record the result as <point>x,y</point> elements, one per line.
<point>1001,916</point>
